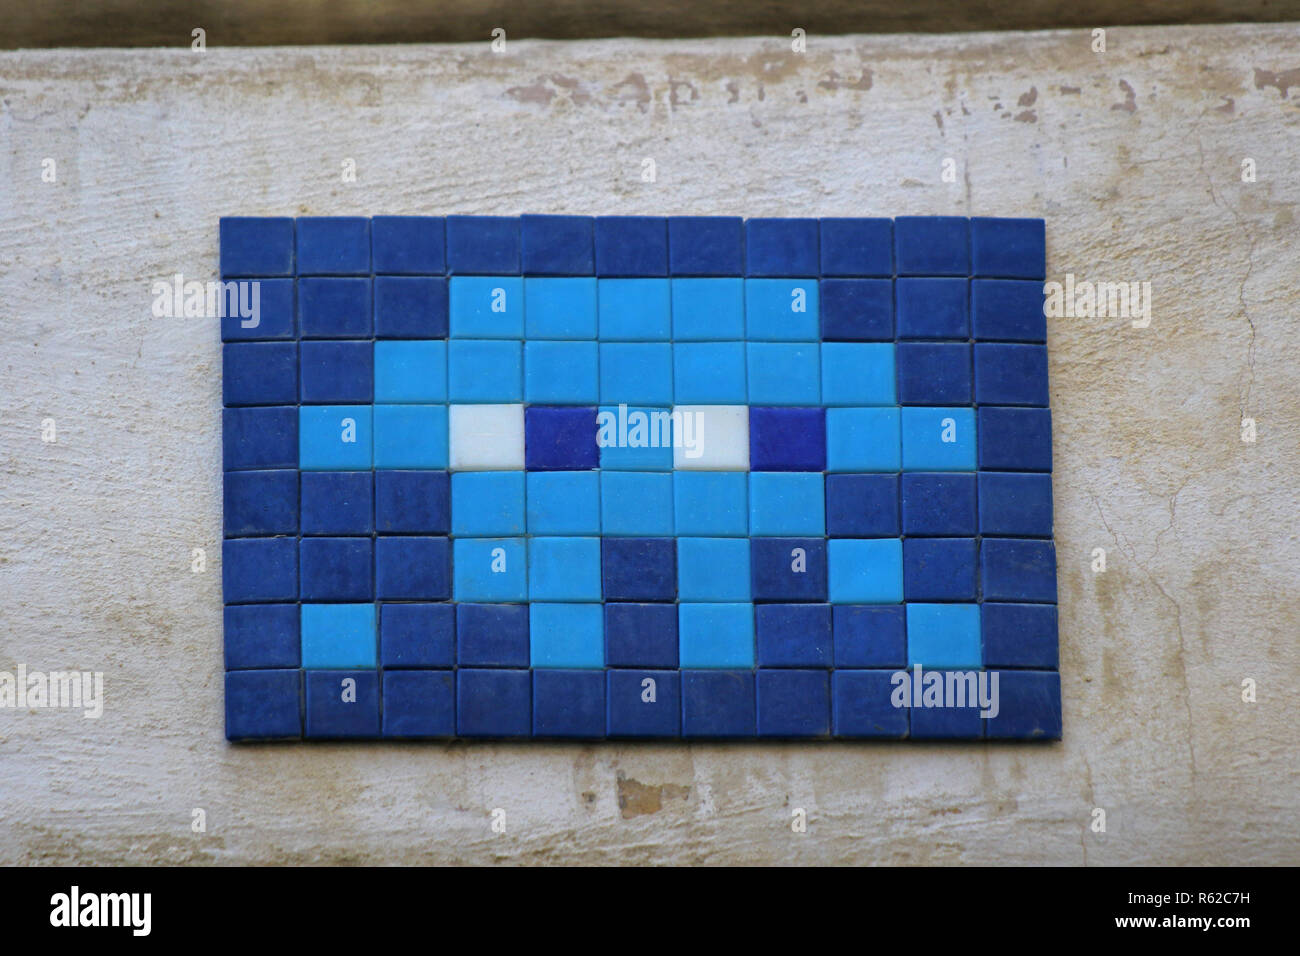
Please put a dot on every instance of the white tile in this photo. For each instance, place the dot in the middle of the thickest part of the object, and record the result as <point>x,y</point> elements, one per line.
<point>486,437</point>
<point>711,437</point>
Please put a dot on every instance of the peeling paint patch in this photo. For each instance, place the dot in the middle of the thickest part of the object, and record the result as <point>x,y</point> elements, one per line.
<point>1028,99</point>
<point>637,799</point>
<point>1026,116</point>
<point>633,89</point>
<point>834,81</point>
<point>1282,82</point>
<point>546,88</point>
<point>1070,90</point>
<point>1130,98</point>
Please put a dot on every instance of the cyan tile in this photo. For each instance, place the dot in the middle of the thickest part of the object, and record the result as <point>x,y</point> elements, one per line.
<point>783,504</point>
<point>858,373</point>
<point>715,635</point>
<point>781,373</point>
<point>709,373</point>
<point>635,438</point>
<point>636,373</point>
<point>410,436</point>
<point>711,504</point>
<point>334,437</point>
<point>564,569</point>
<point>634,310</point>
<point>561,373</point>
<point>567,635</point>
<point>782,310</point>
<point>489,570</point>
<point>863,440</point>
<point>637,504</point>
<point>938,439</point>
<point>410,372</point>
<point>487,504</point>
<point>484,371</point>
<point>865,570</point>
<point>560,308</point>
<point>713,569</point>
<point>338,636</point>
<point>944,636</point>
<point>708,309</point>
<point>486,307</point>
<point>563,502</point>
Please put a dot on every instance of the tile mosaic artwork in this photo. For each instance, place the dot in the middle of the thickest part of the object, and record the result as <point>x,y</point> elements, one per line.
<point>634,477</point>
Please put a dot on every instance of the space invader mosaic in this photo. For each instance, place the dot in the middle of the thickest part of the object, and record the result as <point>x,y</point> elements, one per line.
<point>637,477</point>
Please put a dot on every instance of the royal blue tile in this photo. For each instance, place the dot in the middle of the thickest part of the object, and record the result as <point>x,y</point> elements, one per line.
<point>560,438</point>
<point>862,705</point>
<point>631,246</point>
<point>262,309</point>
<point>1010,374</point>
<point>412,502</point>
<point>342,704</point>
<point>336,569</point>
<point>947,723</point>
<point>1029,706</point>
<point>261,503</point>
<point>558,245</point>
<point>1008,309</point>
<point>793,635</point>
<point>337,502</point>
<point>413,568</point>
<point>933,308</point>
<point>932,245</point>
<point>782,247</point>
<point>1008,248</point>
<point>1015,439</point>
<point>265,437</point>
<point>718,703</point>
<point>494,703</point>
<point>869,635</point>
<point>644,703</point>
<point>1020,635</point>
<point>333,246</point>
<point>1018,569</point>
<point>640,635</point>
<point>857,310</point>
<point>787,569</point>
<point>410,307</point>
<point>492,635</point>
<point>259,373</point>
<point>263,704</point>
<point>794,703</point>
<point>706,246</point>
<point>256,246</point>
<point>862,506</point>
<point>408,245</point>
<point>337,372</point>
<point>569,703</point>
<point>939,504</point>
<point>419,703</point>
<point>417,635</point>
<point>939,569</point>
<point>483,245</point>
<point>259,569</point>
<point>934,373</point>
<point>262,635</point>
<point>332,308</point>
<point>857,247</point>
<point>787,439</point>
<point>1013,504</point>
<point>639,569</point>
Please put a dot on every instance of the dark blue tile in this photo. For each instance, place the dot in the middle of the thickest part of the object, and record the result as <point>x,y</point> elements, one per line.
<point>787,569</point>
<point>1008,248</point>
<point>639,569</point>
<point>717,703</point>
<point>1015,439</point>
<point>857,310</point>
<point>644,703</point>
<point>868,635</point>
<point>259,373</point>
<point>640,635</point>
<point>939,569</point>
<point>631,246</point>
<point>782,247</point>
<point>940,503</point>
<point>483,245</point>
<point>263,704</point>
<point>494,703</point>
<point>259,569</point>
<point>410,307</point>
<point>263,309</point>
<point>333,246</point>
<point>412,502</point>
<point>334,308</point>
<point>794,703</point>
<point>1019,635</point>
<point>413,568</point>
<point>264,437</point>
<point>1018,569</point>
<point>337,503</point>
<point>419,704</point>
<point>492,635</point>
<point>947,723</point>
<point>417,635</point>
<point>256,246</point>
<point>1010,374</point>
<point>862,506</point>
<point>558,245</point>
<point>1029,706</point>
<point>787,439</point>
<point>560,438</point>
<point>857,247</point>
<point>932,245</point>
<point>1015,504</point>
<point>338,372</point>
<point>262,635</point>
<point>933,308</point>
<point>342,704</point>
<point>706,246</point>
<point>335,569</point>
<point>934,373</point>
<point>793,635</point>
<point>261,503</point>
<point>862,705</point>
<point>408,245</point>
<point>568,703</point>
<point>1008,309</point>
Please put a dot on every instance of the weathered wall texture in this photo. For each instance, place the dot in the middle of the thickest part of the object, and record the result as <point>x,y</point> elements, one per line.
<point>1134,157</point>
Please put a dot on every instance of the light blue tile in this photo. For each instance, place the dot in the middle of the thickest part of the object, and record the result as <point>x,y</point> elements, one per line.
<point>715,635</point>
<point>709,373</point>
<point>561,373</point>
<point>636,373</point>
<point>560,308</point>
<point>567,635</point>
<point>563,502</point>
<point>334,437</point>
<point>865,570</point>
<point>784,503</point>
<point>781,373</point>
<point>938,439</point>
<point>782,310</point>
<point>338,635</point>
<point>486,307</point>
<point>708,309</point>
<point>489,570</point>
<point>711,503</point>
<point>487,504</point>
<point>636,503</point>
<point>411,436</point>
<point>410,371</point>
<point>713,569</point>
<point>858,373</point>
<point>944,635</point>
<point>634,438</point>
<point>483,371</point>
<point>862,439</point>
<point>635,310</point>
<point>564,569</point>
